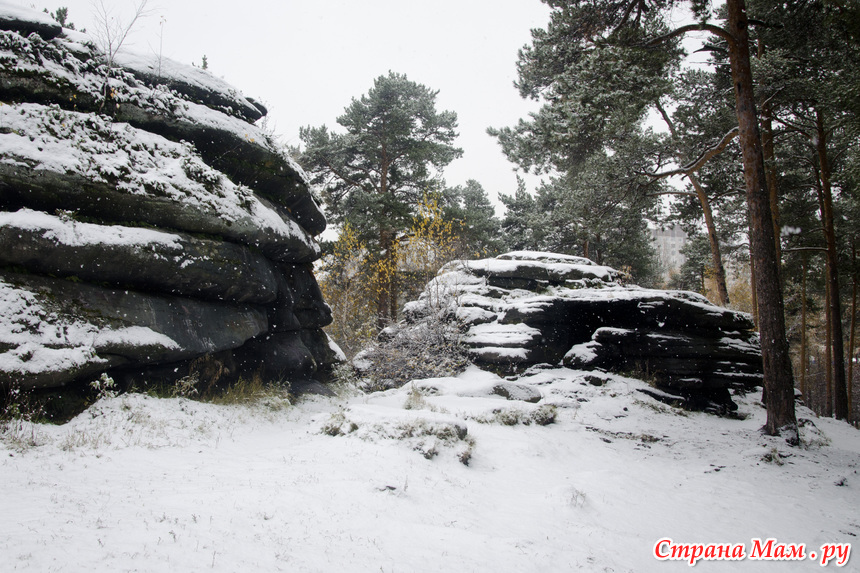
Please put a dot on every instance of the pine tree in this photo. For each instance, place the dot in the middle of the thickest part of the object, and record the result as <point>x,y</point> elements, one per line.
<point>392,152</point>
<point>518,225</point>
<point>469,208</point>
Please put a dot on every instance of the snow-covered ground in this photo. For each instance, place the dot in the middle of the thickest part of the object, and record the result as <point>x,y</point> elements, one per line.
<point>377,483</point>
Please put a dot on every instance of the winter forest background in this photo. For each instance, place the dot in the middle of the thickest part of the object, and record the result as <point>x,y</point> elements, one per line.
<point>630,138</point>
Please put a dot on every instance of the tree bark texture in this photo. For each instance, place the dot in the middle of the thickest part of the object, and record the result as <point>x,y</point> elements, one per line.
<point>828,351</point>
<point>778,380</point>
<point>383,294</point>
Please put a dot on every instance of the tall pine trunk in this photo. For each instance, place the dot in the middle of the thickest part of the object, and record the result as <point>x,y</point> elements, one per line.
<point>716,257</point>
<point>778,380</point>
<point>828,351</point>
<point>852,338</point>
<point>769,153</point>
<point>803,351</point>
<point>840,394</point>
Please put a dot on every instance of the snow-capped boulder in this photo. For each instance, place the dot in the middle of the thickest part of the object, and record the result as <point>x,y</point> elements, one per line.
<point>526,308</point>
<point>68,72</point>
<point>142,211</point>
<point>194,84</point>
<point>27,22</point>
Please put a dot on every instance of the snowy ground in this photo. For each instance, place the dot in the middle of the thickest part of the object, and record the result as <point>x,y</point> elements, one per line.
<point>143,484</point>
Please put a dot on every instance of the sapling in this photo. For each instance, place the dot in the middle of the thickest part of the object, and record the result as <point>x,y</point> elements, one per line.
<point>110,34</point>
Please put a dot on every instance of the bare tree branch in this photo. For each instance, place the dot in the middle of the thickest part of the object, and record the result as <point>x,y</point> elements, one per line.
<point>805,249</point>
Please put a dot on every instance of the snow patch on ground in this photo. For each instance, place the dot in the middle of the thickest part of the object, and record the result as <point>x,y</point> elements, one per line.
<point>139,483</point>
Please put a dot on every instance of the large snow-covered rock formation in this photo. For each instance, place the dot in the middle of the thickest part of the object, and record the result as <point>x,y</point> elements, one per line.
<point>527,308</point>
<point>145,220</point>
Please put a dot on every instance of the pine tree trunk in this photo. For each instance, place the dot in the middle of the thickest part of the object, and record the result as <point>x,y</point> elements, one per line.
<point>769,152</point>
<point>778,380</point>
<point>840,394</point>
<point>828,351</point>
<point>716,257</point>
<point>828,332</point>
<point>770,176</point>
<point>393,293</point>
<point>753,293</point>
<point>803,351</point>
<point>852,339</point>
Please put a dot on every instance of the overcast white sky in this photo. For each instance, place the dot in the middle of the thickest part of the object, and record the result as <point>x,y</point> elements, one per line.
<point>306,59</point>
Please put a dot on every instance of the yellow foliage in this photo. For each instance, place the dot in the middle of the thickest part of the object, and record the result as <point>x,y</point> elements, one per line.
<point>349,291</point>
<point>354,281</point>
<point>431,242</point>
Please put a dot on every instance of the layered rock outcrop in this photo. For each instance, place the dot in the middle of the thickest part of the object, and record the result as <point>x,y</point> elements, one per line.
<point>145,221</point>
<point>526,308</point>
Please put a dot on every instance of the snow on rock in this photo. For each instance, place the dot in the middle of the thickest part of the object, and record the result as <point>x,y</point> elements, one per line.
<point>496,334</point>
<point>72,74</point>
<point>54,331</point>
<point>525,308</point>
<point>150,176</point>
<point>194,83</point>
<point>146,259</point>
<point>26,22</point>
<point>58,159</point>
<point>522,272</point>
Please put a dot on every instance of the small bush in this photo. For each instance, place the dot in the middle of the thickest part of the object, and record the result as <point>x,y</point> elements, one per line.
<point>430,348</point>
<point>186,387</point>
<point>345,380</point>
<point>773,457</point>
<point>105,387</point>
<point>415,400</point>
<point>20,416</point>
<point>253,391</point>
<point>465,452</point>
<point>338,425</point>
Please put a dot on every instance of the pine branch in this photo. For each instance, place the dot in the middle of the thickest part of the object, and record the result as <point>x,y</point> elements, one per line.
<point>697,164</point>
<point>701,27</point>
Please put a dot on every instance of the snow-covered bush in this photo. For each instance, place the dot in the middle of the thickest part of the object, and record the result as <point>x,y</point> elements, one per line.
<point>104,387</point>
<point>543,415</point>
<point>430,348</point>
